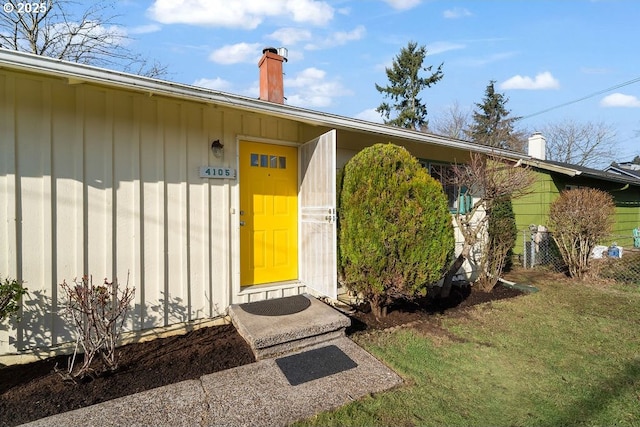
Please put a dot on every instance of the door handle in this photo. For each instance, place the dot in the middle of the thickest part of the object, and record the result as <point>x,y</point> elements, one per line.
<point>241,223</point>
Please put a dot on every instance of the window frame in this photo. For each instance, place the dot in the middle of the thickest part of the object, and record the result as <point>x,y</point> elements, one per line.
<point>450,190</point>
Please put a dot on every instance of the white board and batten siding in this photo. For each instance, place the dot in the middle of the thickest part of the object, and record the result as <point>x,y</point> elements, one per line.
<point>106,182</point>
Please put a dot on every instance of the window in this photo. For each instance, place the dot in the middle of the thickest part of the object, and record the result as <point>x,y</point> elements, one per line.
<point>573,187</point>
<point>443,173</point>
<point>268,161</point>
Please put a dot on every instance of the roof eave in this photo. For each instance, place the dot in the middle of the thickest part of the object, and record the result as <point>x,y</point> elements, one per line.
<point>77,73</point>
<point>554,168</point>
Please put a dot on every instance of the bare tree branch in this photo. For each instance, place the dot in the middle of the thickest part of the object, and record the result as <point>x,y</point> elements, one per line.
<point>486,179</point>
<point>92,37</point>
<point>452,122</point>
<point>588,144</point>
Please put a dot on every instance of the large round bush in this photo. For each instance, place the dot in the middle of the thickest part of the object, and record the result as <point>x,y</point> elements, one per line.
<point>395,235</point>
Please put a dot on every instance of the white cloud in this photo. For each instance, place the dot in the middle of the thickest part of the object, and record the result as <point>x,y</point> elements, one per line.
<point>90,34</point>
<point>309,11</point>
<point>236,53</point>
<point>215,84</point>
<point>145,29</point>
<point>620,100</point>
<point>310,88</point>
<point>440,47</point>
<point>402,4</point>
<point>290,36</point>
<point>370,115</point>
<point>338,39</point>
<point>541,81</point>
<point>456,12</point>
<point>245,14</point>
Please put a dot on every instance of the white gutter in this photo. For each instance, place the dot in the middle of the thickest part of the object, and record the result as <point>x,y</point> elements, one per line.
<point>555,168</point>
<point>85,73</point>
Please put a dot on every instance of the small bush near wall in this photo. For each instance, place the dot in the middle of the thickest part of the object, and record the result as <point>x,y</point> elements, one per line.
<point>578,220</point>
<point>395,236</point>
<point>11,291</point>
<point>97,314</point>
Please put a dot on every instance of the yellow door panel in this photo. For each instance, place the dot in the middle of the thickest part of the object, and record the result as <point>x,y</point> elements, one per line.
<point>269,212</point>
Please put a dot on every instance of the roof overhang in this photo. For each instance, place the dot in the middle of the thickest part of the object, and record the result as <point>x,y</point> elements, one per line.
<point>622,171</point>
<point>550,167</point>
<point>80,73</point>
<point>585,173</point>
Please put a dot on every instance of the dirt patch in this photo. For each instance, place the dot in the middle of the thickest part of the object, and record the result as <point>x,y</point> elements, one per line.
<point>33,391</point>
<point>423,309</point>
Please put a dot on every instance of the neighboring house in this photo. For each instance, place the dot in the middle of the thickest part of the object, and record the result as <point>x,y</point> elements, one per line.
<point>554,177</point>
<point>200,198</point>
<point>628,169</point>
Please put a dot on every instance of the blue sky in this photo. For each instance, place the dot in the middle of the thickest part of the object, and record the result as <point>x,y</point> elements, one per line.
<point>542,54</point>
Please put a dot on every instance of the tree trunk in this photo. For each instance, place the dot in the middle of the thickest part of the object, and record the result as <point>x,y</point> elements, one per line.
<point>378,307</point>
<point>448,278</point>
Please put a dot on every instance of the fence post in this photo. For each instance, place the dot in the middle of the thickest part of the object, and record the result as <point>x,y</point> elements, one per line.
<point>524,248</point>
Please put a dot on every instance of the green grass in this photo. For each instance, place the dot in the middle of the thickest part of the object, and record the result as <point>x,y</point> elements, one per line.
<point>568,355</point>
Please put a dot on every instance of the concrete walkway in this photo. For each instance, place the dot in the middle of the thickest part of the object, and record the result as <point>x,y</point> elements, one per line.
<point>258,394</point>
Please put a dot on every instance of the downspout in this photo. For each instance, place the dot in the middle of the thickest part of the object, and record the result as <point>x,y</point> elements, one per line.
<point>513,285</point>
<point>625,187</point>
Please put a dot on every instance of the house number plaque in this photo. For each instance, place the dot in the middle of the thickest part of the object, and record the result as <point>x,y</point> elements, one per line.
<point>213,172</point>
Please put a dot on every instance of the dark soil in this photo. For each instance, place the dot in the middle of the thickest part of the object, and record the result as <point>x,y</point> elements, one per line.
<point>33,391</point>
<point>423,309</point>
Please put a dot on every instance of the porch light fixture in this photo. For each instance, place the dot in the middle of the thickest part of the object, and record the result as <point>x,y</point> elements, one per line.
<point>217,148</point>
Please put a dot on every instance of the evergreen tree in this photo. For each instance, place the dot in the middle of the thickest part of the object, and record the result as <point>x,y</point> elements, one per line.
<point>491,124</point>
<point>405,85</point>
<point>395,232</point>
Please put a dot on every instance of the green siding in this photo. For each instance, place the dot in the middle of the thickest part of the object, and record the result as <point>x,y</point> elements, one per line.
<point>534,207</point>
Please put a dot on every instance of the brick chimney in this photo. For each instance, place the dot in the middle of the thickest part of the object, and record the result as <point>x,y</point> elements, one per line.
<point>271,76</point>
<point>537,146</point>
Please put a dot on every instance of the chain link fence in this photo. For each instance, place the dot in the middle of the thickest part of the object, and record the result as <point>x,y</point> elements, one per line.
<point>619,261</point>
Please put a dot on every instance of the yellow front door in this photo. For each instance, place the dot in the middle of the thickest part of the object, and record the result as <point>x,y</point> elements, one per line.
<point>268,213</point>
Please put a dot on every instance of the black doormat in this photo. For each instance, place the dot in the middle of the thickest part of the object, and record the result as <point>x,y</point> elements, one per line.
<point>278,306</point>
<point>314,364</point>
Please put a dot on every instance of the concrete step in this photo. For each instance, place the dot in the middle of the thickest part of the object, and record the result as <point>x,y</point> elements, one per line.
<point>272,335</point>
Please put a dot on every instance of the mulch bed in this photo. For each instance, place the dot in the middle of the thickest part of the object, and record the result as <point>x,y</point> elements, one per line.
<point>423,309</point>
<point>32,391</point>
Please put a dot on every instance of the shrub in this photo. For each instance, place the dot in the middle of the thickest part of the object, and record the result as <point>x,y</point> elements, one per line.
<point>579,219</point>
<point>11,291</point>
<point>98,313</point>
<point>396,235</point>
<point>498,249</point>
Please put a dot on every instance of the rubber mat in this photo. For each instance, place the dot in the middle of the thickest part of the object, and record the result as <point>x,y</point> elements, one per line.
<point>278,306</point>
<point>314,364</point>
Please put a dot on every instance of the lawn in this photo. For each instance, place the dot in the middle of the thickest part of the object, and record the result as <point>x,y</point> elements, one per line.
<point>567,355</point>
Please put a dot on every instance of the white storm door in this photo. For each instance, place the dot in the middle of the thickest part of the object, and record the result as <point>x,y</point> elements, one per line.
<point>317,234</point>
